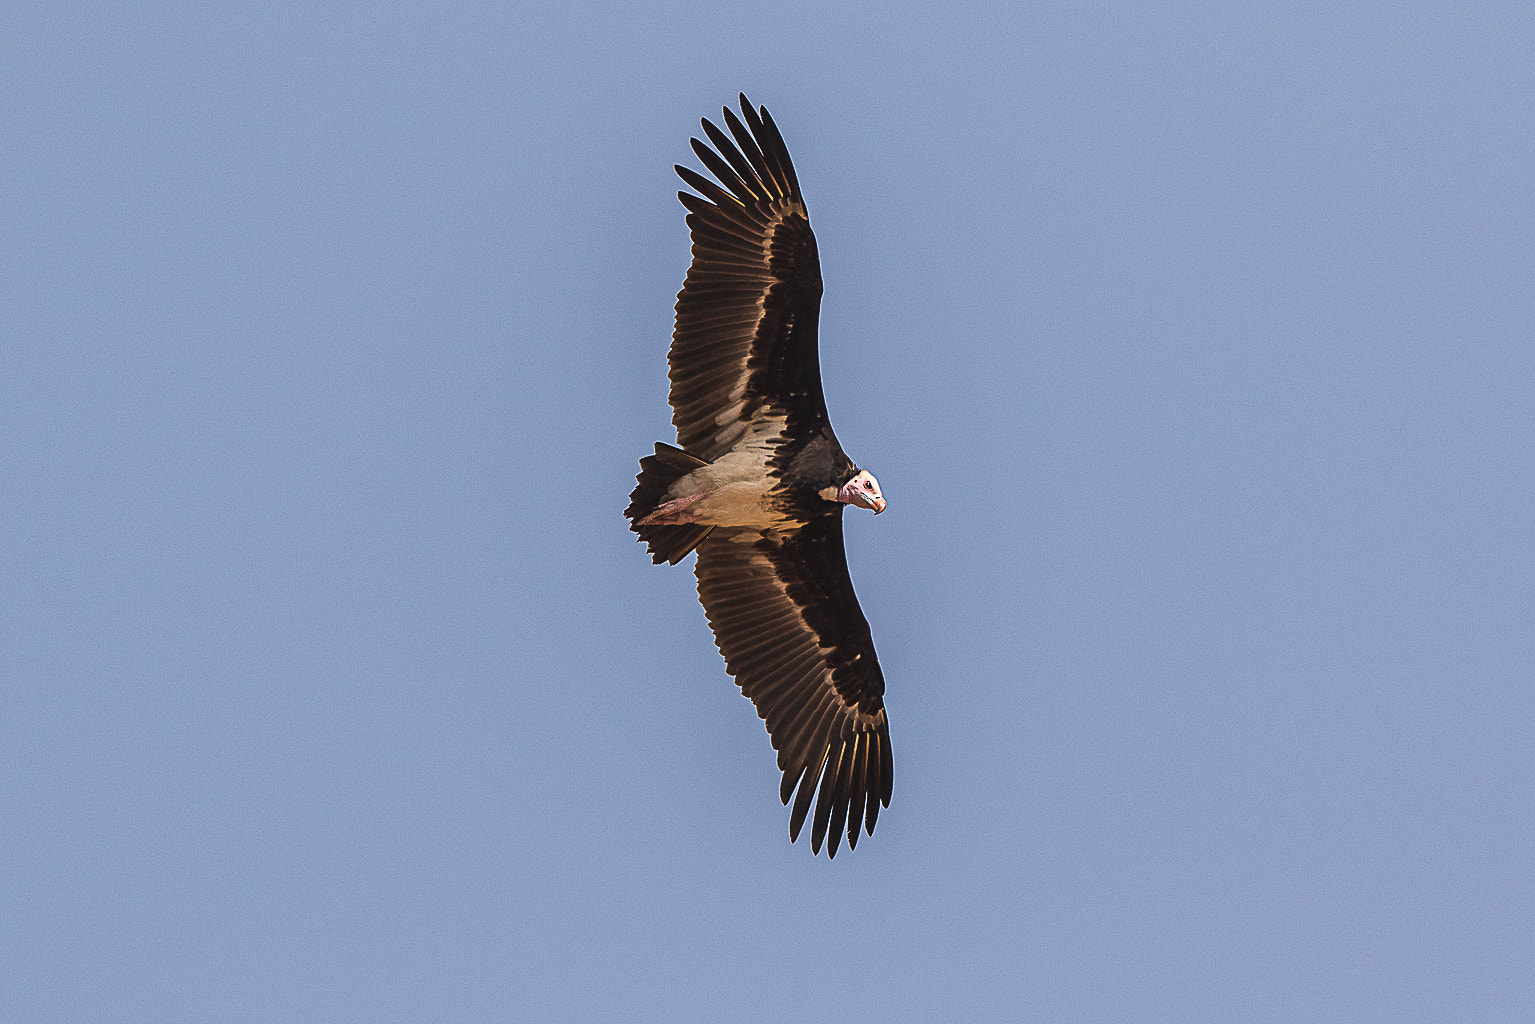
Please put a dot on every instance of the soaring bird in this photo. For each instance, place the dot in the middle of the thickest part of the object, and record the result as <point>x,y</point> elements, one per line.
<point>757,482</point>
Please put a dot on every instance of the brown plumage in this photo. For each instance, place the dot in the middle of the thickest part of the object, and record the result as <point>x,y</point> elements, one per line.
<point>758,482</point>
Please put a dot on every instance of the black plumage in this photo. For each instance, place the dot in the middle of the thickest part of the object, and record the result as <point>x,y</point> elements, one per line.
<point>758,482</point>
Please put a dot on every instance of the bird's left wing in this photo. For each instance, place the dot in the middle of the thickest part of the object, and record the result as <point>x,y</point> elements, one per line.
<point>744,346</point>
<point>787,621</point>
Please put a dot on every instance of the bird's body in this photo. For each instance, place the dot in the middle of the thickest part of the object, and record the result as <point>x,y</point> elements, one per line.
<point>758,482</point>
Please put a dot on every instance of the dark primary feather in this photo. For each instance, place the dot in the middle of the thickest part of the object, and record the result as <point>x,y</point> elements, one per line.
<point>788,623</point>
<point>745,338</point>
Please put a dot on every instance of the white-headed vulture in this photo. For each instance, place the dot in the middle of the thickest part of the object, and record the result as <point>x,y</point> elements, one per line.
<point>757,482</point>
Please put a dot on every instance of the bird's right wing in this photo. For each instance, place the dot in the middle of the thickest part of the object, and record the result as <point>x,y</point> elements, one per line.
<point>787,621</point>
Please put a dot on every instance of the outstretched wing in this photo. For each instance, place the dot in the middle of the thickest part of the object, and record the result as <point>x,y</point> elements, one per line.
<point>788,623</point>
<point>744,345</point>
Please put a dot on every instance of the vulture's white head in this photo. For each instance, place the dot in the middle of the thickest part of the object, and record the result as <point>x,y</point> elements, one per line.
<point>862,490</point>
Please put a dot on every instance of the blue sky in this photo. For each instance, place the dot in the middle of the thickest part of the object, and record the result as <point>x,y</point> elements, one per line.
<point>1191,346</point>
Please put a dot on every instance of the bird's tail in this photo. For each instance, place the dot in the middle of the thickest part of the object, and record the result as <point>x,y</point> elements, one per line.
<point>657,473</point>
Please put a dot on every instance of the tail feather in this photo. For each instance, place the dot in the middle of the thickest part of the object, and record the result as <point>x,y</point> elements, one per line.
<point>657,473</point>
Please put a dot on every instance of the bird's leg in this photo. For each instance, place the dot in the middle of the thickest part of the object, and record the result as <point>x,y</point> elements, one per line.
<point>674,512</point>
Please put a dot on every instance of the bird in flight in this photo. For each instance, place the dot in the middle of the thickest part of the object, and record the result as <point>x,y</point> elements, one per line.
<point>757,482</point>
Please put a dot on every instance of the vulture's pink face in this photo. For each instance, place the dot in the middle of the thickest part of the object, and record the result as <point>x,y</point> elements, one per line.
<point>863,491</point>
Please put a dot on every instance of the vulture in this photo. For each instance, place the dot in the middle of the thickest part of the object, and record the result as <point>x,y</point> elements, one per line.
<point>757,482</point>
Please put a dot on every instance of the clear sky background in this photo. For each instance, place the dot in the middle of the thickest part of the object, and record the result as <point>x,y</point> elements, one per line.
<point>1192,345</point>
